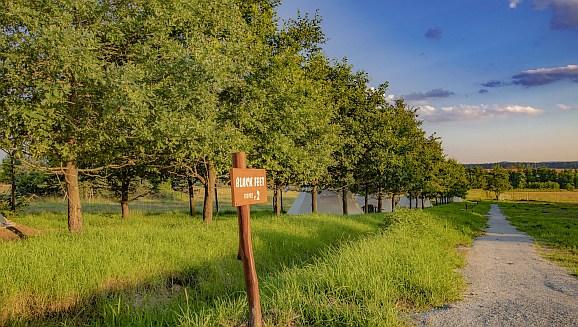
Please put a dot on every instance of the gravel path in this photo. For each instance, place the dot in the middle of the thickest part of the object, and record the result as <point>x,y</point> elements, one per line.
<point>510,285</point>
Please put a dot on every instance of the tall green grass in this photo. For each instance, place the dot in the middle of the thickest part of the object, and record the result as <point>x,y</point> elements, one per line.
<point>60,272</point>
<point>553,226</point>
<point>170,270</point>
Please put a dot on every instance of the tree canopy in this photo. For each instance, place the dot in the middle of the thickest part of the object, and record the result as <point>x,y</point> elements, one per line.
<point>154,90</point>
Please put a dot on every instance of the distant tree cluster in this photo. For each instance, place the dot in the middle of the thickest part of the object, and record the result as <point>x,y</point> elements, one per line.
<point>124,92</point>
<point>523,178</point>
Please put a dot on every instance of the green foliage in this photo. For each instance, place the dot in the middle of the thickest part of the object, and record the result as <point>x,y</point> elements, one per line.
<point>348,92</point>
<point>146,90</point>
<point>38,183</point>
<point>28,184</point>
<point>524,177</point>
<point>476,178</point>
<point>544,185</point>
<point>554,226</point>
<point>498,181</point>
<point>518,179</point>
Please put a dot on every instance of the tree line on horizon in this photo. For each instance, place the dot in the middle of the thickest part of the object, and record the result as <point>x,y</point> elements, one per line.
<point>167,89</point>
<point>500,179</point>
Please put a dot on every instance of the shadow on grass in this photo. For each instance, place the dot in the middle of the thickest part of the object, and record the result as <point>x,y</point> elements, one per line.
<point>158,300</point>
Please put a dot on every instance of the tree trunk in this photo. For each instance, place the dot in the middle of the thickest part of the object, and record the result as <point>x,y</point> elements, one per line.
<point>277,200</point>
<point>12,183</point>
<point>216,198</point>
<point>410,203</point>
<point>124,189</point>
<point>209,193</point>
<point>422,206</point>
<point>366,200</point>
<point>274,202</point>
<point>379,201</point>
<point>393,203</point>
<point>73,195</point>
<point>344,201</point>
<point>314,199</point>
<point>191,196</point>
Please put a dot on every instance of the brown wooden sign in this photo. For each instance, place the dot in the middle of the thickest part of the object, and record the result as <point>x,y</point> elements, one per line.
<point>248,186</point>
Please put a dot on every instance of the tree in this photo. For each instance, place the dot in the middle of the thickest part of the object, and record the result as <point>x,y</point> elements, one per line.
<point>87,77</point>
<point>206,107</point>
<point>129,180</point>
<point>517,179</point>
<point>406,130</point>
<point>348,90</point>
<point>290,111</point>
<point>456,179</point>
<point>498,181</point>
<point>476,177</point>
<point>54,73</point>
<point>377,137</point>
<point>426,156</point>
<point>284,111</point>
<point>8,175</point>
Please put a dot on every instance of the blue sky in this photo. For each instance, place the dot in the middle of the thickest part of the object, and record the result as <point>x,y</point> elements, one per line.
<point>496,79</point>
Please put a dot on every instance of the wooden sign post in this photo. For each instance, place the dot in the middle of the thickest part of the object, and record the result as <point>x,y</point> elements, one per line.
<point>248,186</point>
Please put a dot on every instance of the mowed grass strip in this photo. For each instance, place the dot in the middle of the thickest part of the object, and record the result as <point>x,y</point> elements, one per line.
<point>314,270</point>
<point>554,226</point>
<point>531,195</point>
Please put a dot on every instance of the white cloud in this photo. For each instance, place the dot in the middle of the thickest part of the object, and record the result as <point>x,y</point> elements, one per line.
<point>514,3</point>
<point>517,109</point>
<point>568,69</point>
<point>540,76</point>
<point>565,107</point>
<point>474,112</point>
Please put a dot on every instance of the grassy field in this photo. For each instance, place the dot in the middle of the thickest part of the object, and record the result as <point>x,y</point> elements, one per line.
<point>560,196</point>
<point>553,226</point>
<point>168,269</point>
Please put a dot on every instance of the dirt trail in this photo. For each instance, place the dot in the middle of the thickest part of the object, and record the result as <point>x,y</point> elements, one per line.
<point>510,285</point>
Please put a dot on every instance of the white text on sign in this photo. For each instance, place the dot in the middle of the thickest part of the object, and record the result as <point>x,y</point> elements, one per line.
<point>249,181</point>
<point>252,196</point>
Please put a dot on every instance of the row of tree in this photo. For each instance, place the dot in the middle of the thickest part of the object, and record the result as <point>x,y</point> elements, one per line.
<point>153,89</point>
<point>532,178</point>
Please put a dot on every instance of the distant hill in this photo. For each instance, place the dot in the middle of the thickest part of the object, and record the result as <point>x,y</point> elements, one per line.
<point>546,164</point>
